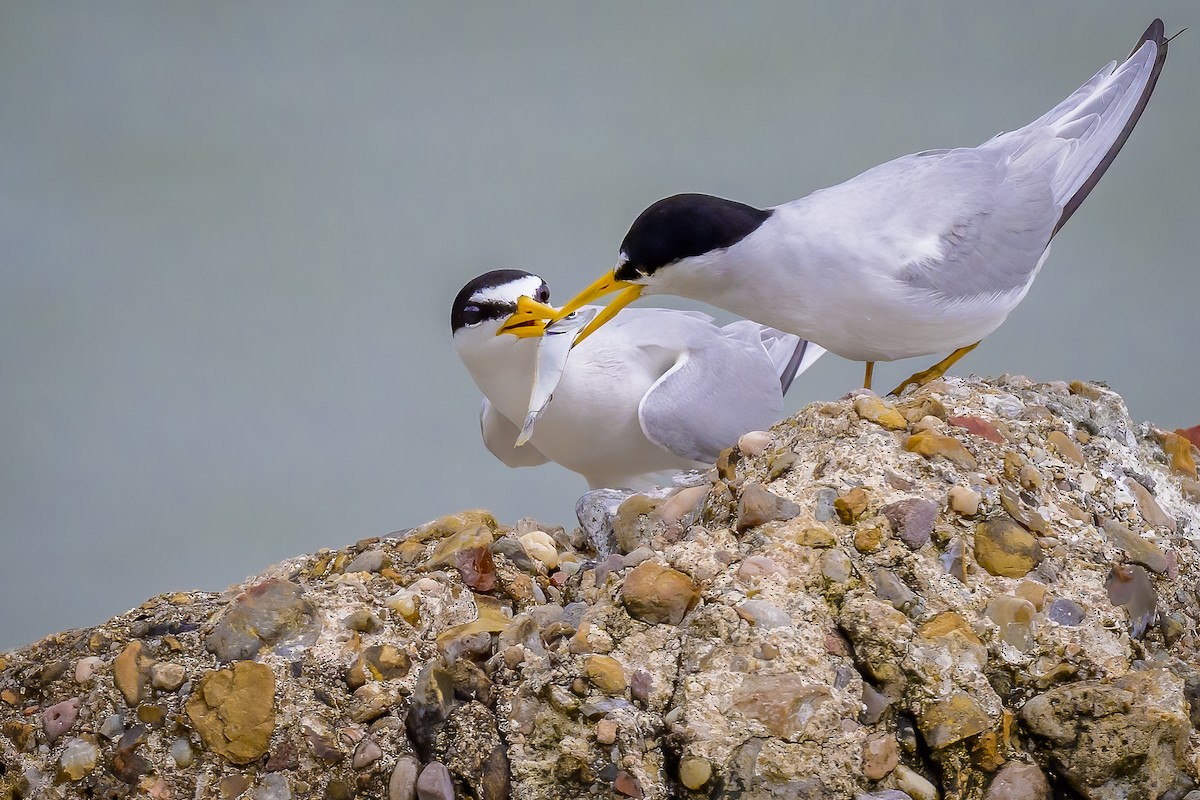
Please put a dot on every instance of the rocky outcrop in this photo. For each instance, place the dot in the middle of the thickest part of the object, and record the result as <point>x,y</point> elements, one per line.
<point>985,589</point>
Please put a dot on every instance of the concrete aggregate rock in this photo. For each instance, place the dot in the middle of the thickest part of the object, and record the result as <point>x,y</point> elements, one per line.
<point>985,590</point>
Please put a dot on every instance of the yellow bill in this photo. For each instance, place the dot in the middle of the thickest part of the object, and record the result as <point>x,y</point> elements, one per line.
<point>606,285</point>
<point>530,318</point>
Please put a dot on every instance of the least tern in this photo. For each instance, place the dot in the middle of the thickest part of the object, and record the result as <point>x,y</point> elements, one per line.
<point>656,392</point>
<point>924,254</point>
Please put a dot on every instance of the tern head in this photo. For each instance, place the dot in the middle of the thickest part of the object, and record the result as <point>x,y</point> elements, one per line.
<point>677,232</point>
<point>500,303</point>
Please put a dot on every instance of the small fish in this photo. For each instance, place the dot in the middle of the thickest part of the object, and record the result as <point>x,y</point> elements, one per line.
<point>552,354</point>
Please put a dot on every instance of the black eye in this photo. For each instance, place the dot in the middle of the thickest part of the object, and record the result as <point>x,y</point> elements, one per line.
<point>543,294</point>
<point>472,315</point>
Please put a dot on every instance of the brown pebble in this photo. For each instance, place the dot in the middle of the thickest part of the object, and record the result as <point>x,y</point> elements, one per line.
<point>606,674</point>
<point>868,540</point>
<point>657,594</point>
<point>851,505</point>
<point>1006,549</point>
<point>881,754</point>
<point>1179,453</point>
<point>1152,512</point>
<point>128,674</point>
<point>882,413</point>
<point>1065,447</point>
<point>606,731</point>
<point>628,785</point>
<point>758,506</point>
<point>931,444</point>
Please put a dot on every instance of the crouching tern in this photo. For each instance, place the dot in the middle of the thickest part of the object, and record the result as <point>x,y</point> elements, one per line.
<point>924,254</point>
<point>654,393</point>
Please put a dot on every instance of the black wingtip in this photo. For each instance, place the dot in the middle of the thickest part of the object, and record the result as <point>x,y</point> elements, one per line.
<point>789,372</point>
<point>1154,33</point>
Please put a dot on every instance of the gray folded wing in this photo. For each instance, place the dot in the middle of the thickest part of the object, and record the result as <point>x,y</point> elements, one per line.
<point>714,392</point>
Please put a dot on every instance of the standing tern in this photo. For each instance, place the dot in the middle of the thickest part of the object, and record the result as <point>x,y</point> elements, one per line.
<point>656,392</point>
<point>923,254</point>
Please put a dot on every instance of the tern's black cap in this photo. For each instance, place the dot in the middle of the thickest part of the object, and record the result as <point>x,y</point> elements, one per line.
<point>684,225</point>
<point>483,298</point>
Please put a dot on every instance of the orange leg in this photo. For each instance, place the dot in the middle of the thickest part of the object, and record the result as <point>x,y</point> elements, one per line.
<point>870,371</point>
<point>936,371</point>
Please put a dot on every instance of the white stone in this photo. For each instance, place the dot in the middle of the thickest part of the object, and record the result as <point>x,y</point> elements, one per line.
<point>754,443</point>
<point>539,546</point>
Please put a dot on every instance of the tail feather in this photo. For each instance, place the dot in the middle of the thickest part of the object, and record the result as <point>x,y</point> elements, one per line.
<point>1117,96</point>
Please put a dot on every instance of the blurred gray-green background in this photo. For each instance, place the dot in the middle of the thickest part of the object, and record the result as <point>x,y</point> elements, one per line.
<point>232,231</point>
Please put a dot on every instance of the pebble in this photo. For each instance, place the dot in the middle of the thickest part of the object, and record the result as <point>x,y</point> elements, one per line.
<point>819,537</point>
<point>881,754</point>
<point>754,443</point>
<point>978,426</point>
<point>1140,550</point>
<point>892,589</point>
<point>1006,549</point>
<point>1034,592</point>
<point>1152,512</point>
<point>113,727</point>
<point>1179,454</point>
<point>757,567</point>
<point>403,783</point>
<point>379,662</point>
<point>128,673</point>
<point>628,785</point>
<point>78,758</point>
<point>953,560</point>
<point>868,540</point>
<point>167,676</point>
<point>851,505</point>
<point>882,413</point>
<point>233,710</point>
<point>824,510</point>
<point>60,718</point>
<point>782,703</point>
<point>1017,781</point>
<point>272,786</point>
<point>265,615</point>
<point>434,783</point>
<point>366,753</point>
<point>1014,616</point>
<point>963,501</point>
<point>606,674</point>
<point>463,533</point>
<point>182,753</point>
<point>658,595</point>
<point>836,565</point>
<point>1129,585</point>
<point>912,519</point>
<point>369,561</point>
<point>952,719</point>
<point>1065,447</point>
<point>606,731</point>
<point>641,685</point>
<point>764,615</point>
<point>86,668</point>
<point>914,784</point>
<point>637,556</point>
<point>540,546</point>
<point>930,444</point>
<point>1028,518</point>
<point>758,506</point>
<point>694,772</point>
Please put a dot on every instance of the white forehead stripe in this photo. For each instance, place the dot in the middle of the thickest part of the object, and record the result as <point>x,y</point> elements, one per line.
<point>508,292</point>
